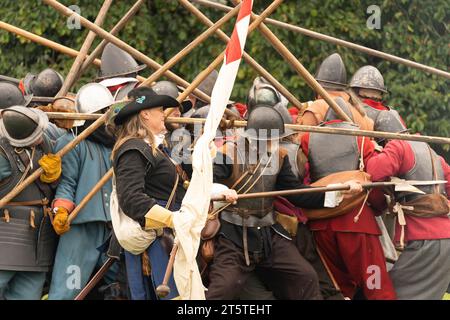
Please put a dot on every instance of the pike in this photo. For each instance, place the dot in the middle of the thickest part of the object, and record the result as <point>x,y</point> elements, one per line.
<point>399,185</point>
<point>252,62</point>
<point>73,53</point>
<point>47,43</point>
<point>126,47</point>
<point>301,70</point>
<point>338,42</point>
<point>74,71</point>
<point>294,127</point>
<point>190,285</point>
<point>122,22</point>
<point>36,174</point>
<point>213,65</point>
<point>186,50</point>
<point>108,175</point>
<point>95,279</point>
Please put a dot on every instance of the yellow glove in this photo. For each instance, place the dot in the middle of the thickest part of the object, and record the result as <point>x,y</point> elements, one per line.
<point>61,220</point>
<point>158,217</point>
<point>51,164</point>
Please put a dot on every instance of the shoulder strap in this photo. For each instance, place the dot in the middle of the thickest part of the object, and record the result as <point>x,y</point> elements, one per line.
<point>433,167</point>
<point>361,157</point>
<point>179,172</point>
<point>174,191</point>
<point>136,144</point>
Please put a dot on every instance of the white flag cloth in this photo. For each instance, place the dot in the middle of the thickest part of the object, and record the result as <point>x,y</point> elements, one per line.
<point>191,218</point>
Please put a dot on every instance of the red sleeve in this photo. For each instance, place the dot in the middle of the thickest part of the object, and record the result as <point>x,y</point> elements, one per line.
<point>304,142</point>
<point>242,108</point>
<point>377,200</point>
<point>396,159</point>
<point>446,169</point>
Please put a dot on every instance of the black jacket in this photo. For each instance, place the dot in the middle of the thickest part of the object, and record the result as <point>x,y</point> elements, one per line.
<point>285,180</point>
<point>259,239</point>
<point>144,179</point>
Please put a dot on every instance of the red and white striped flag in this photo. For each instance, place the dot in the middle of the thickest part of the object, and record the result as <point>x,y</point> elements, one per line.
<point>191,218</point>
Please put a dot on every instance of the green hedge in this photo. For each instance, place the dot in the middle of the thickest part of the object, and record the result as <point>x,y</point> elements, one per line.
<point>416,30</point>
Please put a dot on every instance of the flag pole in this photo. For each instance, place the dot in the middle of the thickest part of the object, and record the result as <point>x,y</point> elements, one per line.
<point>338,42</point>
<point>301,70</point>
<point>186,50</point>
<point>252,62</point>
<point>213,65</point>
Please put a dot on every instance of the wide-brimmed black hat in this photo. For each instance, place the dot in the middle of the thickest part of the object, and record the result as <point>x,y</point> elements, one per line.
<point>148,100</point>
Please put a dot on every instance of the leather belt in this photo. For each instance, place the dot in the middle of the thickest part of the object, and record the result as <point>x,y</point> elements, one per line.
<point>250,221</point>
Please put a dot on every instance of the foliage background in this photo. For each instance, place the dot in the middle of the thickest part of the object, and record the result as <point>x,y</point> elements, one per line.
<point>415,29</point>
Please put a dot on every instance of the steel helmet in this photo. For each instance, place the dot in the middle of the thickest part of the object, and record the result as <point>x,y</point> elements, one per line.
<point>92,97</point>
<point>10,95</point>
<point>332,73</point>
<point>368,77</point>
<point>117,62</point>
<point>45,84</point>
<point>265,123</point>
<point>22,126</point>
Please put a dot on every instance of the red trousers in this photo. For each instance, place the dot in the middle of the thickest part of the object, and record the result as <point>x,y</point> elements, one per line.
<point>356,260</point>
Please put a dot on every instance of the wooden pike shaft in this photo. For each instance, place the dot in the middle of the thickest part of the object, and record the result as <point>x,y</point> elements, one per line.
<point>339,42</point>
<point>202,75</point>
<point>91,193</point>
<point>42,41</point>
<point>301,70</point>
<point>185,51</point>
<point>294,127</point>
<point>95,279</point>
<point>36,174</point>
<point>284,193</point>
<point>252,62</point>
<point>98,50</point>
<point>124,46</point>
<point>75,69</point>
<point>47,43</point>
<point>219,59</point>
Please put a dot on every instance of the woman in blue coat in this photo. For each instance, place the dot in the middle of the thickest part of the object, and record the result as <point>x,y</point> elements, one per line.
<point>77,254</point>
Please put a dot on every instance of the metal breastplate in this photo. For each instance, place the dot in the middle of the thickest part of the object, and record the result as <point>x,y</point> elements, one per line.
<point>378,121</point>
<point>422,170</point>
<point>331,153</point>
<point>27,240</point>
<point>371,112</point>
<point>259,211</point>
<point>292,153</point>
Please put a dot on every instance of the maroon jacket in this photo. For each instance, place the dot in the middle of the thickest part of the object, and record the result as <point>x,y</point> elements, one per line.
<point>396,159</point>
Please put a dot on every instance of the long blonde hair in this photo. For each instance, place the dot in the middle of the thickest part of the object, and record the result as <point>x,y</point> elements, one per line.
<point>134,127</point>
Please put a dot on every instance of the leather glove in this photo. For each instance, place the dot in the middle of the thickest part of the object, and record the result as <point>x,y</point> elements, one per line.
<point>51,164</point>
<point>61,220</point>
<point>158,217</point>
